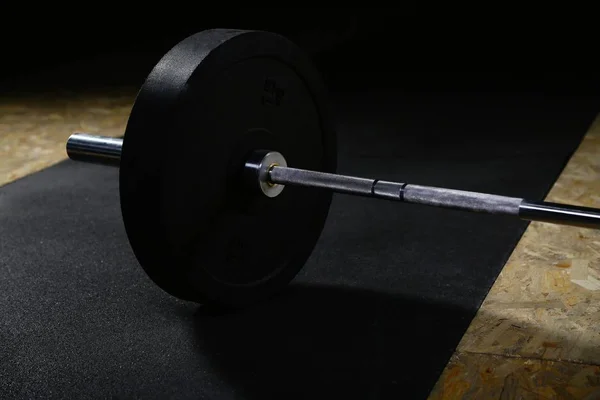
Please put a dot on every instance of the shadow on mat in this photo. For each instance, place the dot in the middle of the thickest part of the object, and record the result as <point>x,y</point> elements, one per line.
<point>327,342</point>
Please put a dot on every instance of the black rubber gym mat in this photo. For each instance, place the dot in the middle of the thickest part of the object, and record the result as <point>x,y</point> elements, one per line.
<point>376,312</point>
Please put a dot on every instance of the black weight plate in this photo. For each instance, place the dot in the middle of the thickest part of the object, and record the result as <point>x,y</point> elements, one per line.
<point>212,99</point>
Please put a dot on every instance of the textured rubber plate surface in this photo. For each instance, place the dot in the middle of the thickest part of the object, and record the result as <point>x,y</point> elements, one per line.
<point>214,98</point>
<point>375,313</point>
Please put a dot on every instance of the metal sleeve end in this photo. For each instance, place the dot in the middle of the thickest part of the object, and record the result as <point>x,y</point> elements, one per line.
<point>94,149</point>
<point>562,214</point>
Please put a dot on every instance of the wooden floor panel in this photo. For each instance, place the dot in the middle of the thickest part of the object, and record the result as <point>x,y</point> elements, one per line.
<point>489,376</point>
<point>34,128</point>
<point>544,306</point>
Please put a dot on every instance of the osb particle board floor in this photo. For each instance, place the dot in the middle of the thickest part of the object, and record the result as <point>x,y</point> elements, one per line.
<point>536,334</point>
<point>34,128</point>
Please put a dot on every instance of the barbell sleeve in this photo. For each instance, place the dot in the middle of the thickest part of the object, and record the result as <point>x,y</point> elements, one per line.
<point>95,149</point>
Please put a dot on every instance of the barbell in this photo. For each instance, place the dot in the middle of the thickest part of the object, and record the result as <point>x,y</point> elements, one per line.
<point>227,169</point>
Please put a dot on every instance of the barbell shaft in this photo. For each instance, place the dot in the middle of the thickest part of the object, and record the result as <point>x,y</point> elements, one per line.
<point>107,151</point>
<point>440,197</point>
<point>562,214</point>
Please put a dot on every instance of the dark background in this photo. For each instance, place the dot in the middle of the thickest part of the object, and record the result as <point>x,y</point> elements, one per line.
<point>431,47</point>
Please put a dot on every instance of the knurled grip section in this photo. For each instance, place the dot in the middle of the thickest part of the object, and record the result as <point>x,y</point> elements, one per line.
<point>462,200</point>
